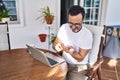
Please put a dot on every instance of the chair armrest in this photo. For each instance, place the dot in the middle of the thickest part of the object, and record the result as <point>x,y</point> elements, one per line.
<point>94,68</point>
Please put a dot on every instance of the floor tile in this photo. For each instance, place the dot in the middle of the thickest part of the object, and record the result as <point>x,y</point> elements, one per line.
<point>110,69</point>
<point>106,66</point>
<point>118,68</point>
<point>119,76</point>
<point>106,74</point>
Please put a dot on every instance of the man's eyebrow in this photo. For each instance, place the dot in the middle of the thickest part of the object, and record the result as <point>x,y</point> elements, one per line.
<point>78,23</point>
<point>75,23</point>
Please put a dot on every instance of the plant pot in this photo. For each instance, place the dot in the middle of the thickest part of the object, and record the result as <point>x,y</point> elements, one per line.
<point>49,19</point>
<point>42,37</point>
<point>7,19</point>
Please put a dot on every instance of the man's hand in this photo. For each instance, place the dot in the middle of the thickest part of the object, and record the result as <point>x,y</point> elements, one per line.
<point>67,49</point>
<point>59,47</point>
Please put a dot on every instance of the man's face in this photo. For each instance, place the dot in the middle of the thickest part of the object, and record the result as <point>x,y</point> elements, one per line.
<point>75,22</point>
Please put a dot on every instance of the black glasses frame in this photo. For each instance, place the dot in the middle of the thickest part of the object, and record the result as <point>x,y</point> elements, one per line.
<point>77,25</point>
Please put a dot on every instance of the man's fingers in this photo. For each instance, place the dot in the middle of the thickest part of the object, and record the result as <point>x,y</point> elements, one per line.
<point>58,47</point>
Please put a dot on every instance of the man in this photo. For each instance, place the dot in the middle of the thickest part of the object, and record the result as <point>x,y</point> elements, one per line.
<point>75,41</point>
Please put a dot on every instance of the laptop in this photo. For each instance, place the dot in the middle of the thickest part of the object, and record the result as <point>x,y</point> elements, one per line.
<point>46,58</point>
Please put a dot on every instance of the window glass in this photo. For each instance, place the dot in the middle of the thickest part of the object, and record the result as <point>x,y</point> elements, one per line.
<point>87,3</point>
<point>87,13</point>
<point>96,4</point>
<point>91,11</point>
<point>11,5</point>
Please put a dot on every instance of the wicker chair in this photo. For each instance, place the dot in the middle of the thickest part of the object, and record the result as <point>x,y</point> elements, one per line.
<point>95,57</point>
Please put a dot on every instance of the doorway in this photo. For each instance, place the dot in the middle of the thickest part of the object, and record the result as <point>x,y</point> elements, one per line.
<point>65,5</point>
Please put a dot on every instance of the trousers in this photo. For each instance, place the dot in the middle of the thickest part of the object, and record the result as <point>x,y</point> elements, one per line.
<point>76,71</point>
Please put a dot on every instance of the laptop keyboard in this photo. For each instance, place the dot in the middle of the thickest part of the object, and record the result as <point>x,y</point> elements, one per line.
<point>52,62</point>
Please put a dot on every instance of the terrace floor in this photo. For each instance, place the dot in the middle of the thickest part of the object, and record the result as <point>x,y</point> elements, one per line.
<point>110,69</point>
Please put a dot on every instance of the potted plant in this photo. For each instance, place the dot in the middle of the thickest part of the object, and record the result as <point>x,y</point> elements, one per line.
<point>42,37</point>
<point>46,15</point>
<point>4,16</point>
<point>53,37</point>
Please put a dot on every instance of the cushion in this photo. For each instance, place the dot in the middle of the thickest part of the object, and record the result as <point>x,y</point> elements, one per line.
<point>97,32</point>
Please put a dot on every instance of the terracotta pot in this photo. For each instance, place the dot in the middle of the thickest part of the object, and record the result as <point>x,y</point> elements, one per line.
<point>42,37</point>
<point>49,19</point>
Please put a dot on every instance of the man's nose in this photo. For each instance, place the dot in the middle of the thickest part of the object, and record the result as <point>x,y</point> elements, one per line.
<point>73,26</point>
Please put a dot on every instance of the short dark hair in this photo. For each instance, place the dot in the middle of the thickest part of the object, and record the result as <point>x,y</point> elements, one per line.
<point>75,10</point>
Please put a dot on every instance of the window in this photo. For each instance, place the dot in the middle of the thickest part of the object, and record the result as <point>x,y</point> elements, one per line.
<point>92,10</point>
<point>16,11</point>
<point>11,5</point>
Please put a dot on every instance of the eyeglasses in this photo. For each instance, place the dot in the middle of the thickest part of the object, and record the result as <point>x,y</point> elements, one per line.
<point>77,25</point>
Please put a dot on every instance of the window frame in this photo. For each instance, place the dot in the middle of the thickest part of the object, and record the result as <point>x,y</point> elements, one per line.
<point>81,3</point>
<point>20,14</point>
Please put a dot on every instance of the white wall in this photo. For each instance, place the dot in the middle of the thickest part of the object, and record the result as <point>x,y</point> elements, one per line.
<point>113,13</point>
<point>28,32</point>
